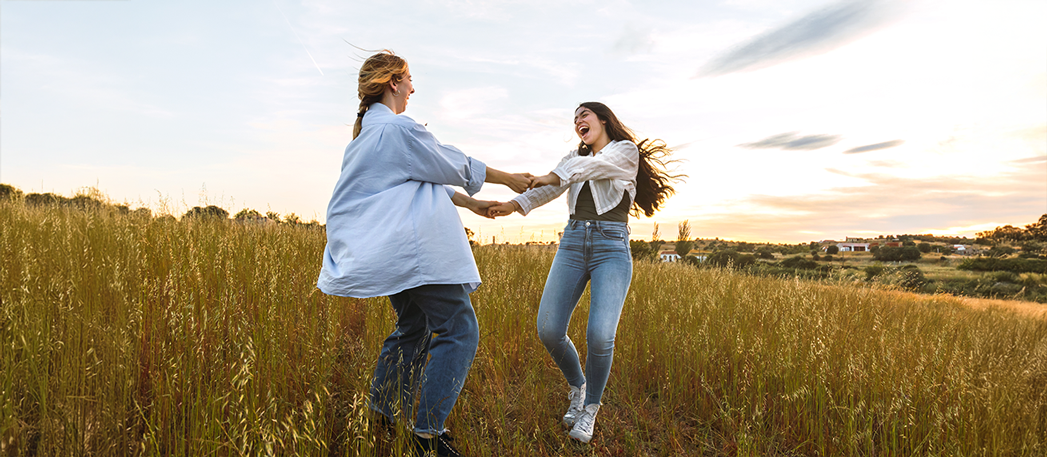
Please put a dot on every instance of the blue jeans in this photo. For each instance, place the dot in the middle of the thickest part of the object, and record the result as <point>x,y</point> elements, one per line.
<point>402,370</point>
<point>590,251</point>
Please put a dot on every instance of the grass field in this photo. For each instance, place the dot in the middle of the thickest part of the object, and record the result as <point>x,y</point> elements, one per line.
<point>131,335</point>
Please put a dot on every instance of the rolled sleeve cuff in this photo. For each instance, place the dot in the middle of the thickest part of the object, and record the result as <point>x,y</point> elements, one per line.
<point>525,205</point>
<point>477,175</point>
<point>450,191</point>
<point>563,174</point>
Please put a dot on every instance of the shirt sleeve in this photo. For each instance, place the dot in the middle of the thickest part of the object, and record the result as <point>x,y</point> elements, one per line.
<point>618,160</point>
<point>430,161</point>
<point>539,196</point>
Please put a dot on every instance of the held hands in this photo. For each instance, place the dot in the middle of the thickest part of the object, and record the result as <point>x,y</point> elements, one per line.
<point>502,209</point>
<point>482,207</point>
<point>519,182</point>
<point>550,179</point>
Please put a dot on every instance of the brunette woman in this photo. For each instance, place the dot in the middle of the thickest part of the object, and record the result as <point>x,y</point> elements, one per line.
<point>608,174</point>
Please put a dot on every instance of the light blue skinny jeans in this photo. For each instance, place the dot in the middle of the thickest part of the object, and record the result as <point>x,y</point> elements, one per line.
<point>596,252</point>
<point>402,368</point>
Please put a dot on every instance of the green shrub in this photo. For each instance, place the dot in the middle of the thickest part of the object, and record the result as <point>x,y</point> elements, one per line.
<point>890,254</point>
<point>799,263</point>
<point>731,257</point>
<point>1012,265</point>
<point>872,271</point>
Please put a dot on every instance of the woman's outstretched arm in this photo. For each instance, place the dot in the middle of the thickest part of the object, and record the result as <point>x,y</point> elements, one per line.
<point>618,160</point>
<point>480,207</point>
<point>518,182</point>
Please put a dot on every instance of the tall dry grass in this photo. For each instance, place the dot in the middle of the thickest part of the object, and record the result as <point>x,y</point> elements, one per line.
<point>125,335</point>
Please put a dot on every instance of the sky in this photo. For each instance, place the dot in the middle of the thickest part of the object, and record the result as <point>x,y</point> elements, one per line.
<point>794,120</point>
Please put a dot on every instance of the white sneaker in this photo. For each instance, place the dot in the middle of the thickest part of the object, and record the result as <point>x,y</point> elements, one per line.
<point>583,428</point>
<point>577,398</point>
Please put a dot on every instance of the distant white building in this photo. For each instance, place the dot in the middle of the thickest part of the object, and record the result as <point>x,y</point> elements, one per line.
<point>964,249</point>
<point>853,247</point>
<point>669,256</point>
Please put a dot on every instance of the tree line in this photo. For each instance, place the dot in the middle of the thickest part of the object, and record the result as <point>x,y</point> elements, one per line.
<point>92,199</point>
<point>1037,231</point>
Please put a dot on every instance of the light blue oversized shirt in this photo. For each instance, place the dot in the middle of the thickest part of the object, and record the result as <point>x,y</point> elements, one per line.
<point>391,225</point>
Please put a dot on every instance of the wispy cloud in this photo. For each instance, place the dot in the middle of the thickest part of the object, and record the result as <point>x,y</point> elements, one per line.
<point>1036,159</point>
<point>632,41</point>
<point>816,33</point>
<point>793,142</point>
<point>874,147</point>
<point>886,164</point>
<point>885,205</point>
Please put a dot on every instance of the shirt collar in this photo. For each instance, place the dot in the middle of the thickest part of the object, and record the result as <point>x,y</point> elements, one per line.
<point>379,109</point>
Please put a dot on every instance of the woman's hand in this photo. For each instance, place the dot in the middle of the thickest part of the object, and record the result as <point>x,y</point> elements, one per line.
<point>503,209</point>
<point>519,182</point>
<point>477,206</point>
<point>482,207</point>
<point>548,180</point>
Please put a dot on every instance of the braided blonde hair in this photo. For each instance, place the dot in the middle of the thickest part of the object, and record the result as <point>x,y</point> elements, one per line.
<point>375,75</point>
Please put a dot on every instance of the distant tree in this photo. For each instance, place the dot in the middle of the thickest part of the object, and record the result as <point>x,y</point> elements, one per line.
<point>1037,231</point>
<point>44,199</point>
<point>273,216</point>
<point>765,252</point>
<point>744,247</point>
<point>908,243</point>
<point>729,257</point>
<point>9,191</point>
<point>924,247</point>
<point>247,215</point>
<point>683,239</point>
<point>207,212</point>
<point>656,240</point>
<point>1005,233</point>
<point>641,250</point>
<point>832,250</point>
<point>814,245</point>
<point>815,256</point>
<point>292,219</point>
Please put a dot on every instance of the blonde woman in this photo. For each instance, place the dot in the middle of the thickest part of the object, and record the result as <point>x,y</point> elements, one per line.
<point>392,230</point>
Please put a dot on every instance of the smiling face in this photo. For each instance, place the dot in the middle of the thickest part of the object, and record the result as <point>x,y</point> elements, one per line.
<point>402,91</point>
<point>590,129</point>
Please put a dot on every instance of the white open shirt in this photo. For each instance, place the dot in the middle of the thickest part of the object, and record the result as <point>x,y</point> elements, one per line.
<point>610,173</point>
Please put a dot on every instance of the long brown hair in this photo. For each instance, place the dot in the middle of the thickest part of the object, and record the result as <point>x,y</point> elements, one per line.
<point>653,181</point>
<point>375,75</point>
